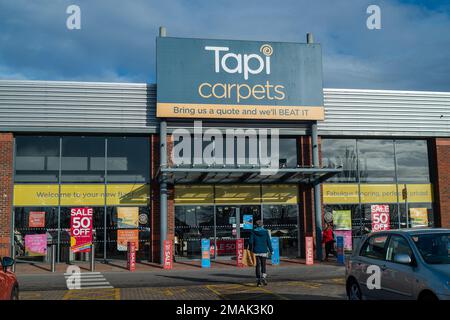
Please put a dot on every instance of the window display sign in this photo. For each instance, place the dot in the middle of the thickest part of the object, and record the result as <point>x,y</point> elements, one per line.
<point>380,217</point>
<point>228,79</point>
<point>81,229</point>
<point>206,258</point>
<point>127,235</point>
<point>342,219</point>
<point>418,217</point>
<point>347,235</point>
<point>36,245</point>
<point>240,252</point>
<point>276,251</point>
<point>127,217</point>
<point>248,221</point>
<point>36,219</point>
<point>226,247</point>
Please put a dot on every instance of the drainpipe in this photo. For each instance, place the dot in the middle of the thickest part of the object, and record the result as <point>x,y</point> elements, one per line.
<point>316,164</point>
<point>163,177</point>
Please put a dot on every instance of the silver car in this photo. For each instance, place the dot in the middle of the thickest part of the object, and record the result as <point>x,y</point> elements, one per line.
<point>400,264</point>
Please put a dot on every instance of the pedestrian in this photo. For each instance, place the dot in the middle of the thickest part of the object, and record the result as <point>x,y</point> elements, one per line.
<point>328,240</point>
<point>260,244</point>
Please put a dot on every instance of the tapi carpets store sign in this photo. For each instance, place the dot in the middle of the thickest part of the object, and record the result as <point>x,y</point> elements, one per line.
<point>230,79</point>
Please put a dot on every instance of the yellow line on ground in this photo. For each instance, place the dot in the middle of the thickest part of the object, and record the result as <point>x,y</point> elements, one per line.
<point>209,287</point>
<point>116,294</point>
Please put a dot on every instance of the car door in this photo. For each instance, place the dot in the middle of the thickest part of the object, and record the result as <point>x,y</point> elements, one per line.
<point>398,278</point>
<point>369,263</point>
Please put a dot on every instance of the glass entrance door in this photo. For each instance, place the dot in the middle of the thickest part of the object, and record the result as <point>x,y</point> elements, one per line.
<point>226,230</point>
<point>230,226</point>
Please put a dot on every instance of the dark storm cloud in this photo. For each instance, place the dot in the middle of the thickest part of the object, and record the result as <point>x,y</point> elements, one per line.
<point>117,39</point>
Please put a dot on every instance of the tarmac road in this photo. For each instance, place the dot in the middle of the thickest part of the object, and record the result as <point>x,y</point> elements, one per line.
<point>174,278</point>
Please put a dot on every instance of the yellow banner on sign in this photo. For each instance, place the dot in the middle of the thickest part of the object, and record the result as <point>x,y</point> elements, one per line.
<point>341,193</point>
<point>237,111</point>
<point>80,194</point>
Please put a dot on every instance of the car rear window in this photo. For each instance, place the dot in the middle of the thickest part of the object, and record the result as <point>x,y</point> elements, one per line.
<point>375,247</point>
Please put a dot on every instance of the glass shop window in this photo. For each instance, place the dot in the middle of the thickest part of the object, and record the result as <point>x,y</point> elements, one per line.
<point>340,153</point>
<point>128,159</point>
<point>37,159</point>
<point>83,159</point>
<point>376,161</point>
<point>35,228</point>
<point>412,161</point>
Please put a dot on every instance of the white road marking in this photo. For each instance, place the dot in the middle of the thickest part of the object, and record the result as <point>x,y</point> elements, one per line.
<point>89,280</point>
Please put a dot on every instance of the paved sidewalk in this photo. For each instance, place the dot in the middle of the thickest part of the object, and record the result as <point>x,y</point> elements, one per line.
<point>284,290</point>
<point>26,268</point>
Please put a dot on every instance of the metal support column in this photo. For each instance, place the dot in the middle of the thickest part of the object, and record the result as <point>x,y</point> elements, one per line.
<point>316,164</point>
<point>163,177</point>
<point>317,200</point>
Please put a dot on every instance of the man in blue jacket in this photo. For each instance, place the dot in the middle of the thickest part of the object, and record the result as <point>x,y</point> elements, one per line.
<point>260,244</point>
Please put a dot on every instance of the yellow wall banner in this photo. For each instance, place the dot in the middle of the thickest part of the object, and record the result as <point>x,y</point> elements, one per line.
<point>280,193</point>
<point>238,194</point>
<point>80,194</point>
<point>377,193</point>
<point>341,193</point>
<point>194,194</point>
<point>418,192</point>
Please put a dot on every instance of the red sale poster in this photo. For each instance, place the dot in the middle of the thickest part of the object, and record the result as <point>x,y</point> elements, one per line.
<point>380,217</point>
<point>81,229</point>
<point>131,256</point>
<point>36,219</point>
<point>309,246</point>
<point>168,254</point>
<point>240,252</point>
<point>226,247</point>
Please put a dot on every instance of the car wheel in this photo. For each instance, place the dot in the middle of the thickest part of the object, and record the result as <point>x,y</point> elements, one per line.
<point>427,296</point>
<point>15,293</point>
<point>354,292</point>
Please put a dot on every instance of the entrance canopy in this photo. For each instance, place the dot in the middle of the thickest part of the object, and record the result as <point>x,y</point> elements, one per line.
<point>214,175</point>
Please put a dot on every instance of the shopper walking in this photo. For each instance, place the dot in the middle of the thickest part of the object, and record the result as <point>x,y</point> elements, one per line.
<point>328,240</point>
<point>260,244</point>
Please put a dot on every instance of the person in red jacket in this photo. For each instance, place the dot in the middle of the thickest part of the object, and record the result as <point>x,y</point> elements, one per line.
<point>328,240</point>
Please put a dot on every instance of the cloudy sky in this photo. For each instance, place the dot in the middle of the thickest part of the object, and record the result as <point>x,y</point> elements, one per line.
<point>117,38</point>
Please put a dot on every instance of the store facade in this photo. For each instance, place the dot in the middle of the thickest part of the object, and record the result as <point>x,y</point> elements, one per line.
<point>116,148</point>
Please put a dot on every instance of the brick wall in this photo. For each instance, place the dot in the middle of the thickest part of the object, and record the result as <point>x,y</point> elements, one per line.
<point>442,196</point>
<point>6,185</point>
<point>306,195</point>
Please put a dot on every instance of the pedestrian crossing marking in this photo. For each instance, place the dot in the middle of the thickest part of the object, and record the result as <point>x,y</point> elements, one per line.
<point>86,280</point>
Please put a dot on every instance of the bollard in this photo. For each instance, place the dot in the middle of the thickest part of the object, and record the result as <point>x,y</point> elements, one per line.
<point>92,257</point>
<point>52,261</point>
